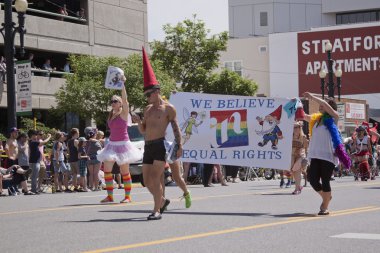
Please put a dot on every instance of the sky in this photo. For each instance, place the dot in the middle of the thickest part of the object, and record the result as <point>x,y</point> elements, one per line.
<point>160,12</point>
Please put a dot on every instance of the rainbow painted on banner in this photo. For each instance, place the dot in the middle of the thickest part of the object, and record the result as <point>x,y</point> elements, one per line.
<point>231,128</point>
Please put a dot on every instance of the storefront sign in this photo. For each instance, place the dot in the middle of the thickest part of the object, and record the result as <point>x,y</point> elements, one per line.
<point>355,111</point>
<point>356,51</point>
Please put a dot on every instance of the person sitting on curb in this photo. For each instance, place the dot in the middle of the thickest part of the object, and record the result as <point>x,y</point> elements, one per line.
<point>12,177</point>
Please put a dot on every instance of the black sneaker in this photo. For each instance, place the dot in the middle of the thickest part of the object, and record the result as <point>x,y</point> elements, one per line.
<point>68,191</point>
<point>163,208</point>
<point>154,216</point>
<point>282,182</point>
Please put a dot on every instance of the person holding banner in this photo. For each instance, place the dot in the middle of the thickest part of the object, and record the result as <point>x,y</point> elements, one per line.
<point>119,149</point>
<point>157,116</point>
<point>325,148</point>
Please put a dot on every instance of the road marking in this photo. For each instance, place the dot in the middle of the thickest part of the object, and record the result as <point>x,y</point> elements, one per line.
<point>232,230</point>
<point>358,236</point>
<point>174,200</point>
<point>121,194</point>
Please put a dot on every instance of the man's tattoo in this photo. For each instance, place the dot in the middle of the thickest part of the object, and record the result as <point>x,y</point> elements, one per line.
<point>176,132</point>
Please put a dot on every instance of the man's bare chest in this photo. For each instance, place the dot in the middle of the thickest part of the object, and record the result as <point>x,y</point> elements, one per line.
<point>156,115</point>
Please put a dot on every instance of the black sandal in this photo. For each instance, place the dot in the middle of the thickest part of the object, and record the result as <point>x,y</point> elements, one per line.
<point>163,208</point>
<point>154,216</point>
<point>324,212</point>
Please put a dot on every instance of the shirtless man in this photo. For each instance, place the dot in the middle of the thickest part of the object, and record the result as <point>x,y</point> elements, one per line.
<point>11,148</point>
<point>158,114</point>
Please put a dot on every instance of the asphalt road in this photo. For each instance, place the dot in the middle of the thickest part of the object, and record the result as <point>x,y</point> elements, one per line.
<point>255,216</point>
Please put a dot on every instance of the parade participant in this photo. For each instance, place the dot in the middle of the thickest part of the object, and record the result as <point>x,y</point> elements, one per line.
<point>72,145</point>
<point>363,147</point>
<point>119,149</point>
<point>325,148</point>
<point>157,115</point>
<point>299,150</point>
<point>11,147</point>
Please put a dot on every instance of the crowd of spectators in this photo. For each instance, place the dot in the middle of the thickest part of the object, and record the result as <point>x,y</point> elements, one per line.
<point>71,165</point>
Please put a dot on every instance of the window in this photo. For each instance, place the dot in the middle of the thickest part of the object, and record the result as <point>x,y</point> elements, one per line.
<point>263,18</point>
<point>357,17</point>
<point>235,66</point>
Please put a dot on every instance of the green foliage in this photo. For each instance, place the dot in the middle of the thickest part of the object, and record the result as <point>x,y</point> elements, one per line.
<point>2,137</point>
<point>85,94</point>
<point>228,82</point>
<point>188,53</point>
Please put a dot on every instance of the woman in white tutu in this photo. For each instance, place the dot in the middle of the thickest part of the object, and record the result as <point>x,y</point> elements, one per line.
<point>119,149</point>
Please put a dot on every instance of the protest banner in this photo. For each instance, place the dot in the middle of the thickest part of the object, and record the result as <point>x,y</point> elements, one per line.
<point>235,130</point>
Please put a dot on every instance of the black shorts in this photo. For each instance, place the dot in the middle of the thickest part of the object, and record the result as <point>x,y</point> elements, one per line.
<point>154,150</point>
<point>11,162</point>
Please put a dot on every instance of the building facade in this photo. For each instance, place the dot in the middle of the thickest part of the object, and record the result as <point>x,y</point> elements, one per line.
<point>295,55</point>
<point>250,18</point>
<point>108,28</point>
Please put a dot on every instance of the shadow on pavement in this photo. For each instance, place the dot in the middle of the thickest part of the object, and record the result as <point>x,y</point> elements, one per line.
<point>95,204</point>
<point>293,215</point>
<point>277,193</point>
<point>172,211</point>
<point>372,188</point>
<point>139,219</point>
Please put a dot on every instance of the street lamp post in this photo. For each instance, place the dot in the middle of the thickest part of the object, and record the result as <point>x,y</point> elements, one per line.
<point>9,31</point>
<point>330,83</point>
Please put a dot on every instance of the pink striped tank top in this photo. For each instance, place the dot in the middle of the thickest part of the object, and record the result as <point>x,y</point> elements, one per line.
<point>119,129</point>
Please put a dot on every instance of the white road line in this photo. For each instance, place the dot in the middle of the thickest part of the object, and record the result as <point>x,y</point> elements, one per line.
<point>358,236</point>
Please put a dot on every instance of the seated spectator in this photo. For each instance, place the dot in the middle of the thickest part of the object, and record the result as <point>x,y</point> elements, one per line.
<point>81,14</point>
<point>12,177</point>
<point>63,11</point>
<point>31,58</point>
<point>67,68</point>
<point>48,67</point>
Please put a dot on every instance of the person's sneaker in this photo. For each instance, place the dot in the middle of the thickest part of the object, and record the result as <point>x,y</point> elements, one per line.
<point>288,184</point>
<point>154,216</point>
<point>187,198</point>
<point>30,193</point>
<point>126,200</point>
<point>282,182</point>
<point>163,208</point>
<point>68,191</point>
<point>106,200</point>
<point>76,189</point>
<point>296,192</point>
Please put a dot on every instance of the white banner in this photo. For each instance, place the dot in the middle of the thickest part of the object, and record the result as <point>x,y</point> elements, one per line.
<point>24,87</point>
<point>235,130</point>
<point>113,78</point>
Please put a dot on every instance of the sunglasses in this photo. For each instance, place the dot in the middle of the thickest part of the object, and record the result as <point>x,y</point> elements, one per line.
<point>114,101</point>
<point>148,94</point>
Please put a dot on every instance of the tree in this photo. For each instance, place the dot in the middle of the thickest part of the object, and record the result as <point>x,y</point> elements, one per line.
<point>84,92</point>
<point>188,54</point>
<point>229,82</point>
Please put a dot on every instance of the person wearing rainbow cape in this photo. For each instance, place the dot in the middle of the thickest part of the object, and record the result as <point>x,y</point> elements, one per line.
<point>326,149</point>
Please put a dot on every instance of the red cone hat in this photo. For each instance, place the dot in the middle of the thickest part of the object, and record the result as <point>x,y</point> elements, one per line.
<point>277,113</point>
<point>150,80</point>
<point>300,114</point>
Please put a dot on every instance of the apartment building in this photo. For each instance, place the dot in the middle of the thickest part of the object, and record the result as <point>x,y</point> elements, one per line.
<point>280,45</point>
<point>92,27</point>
